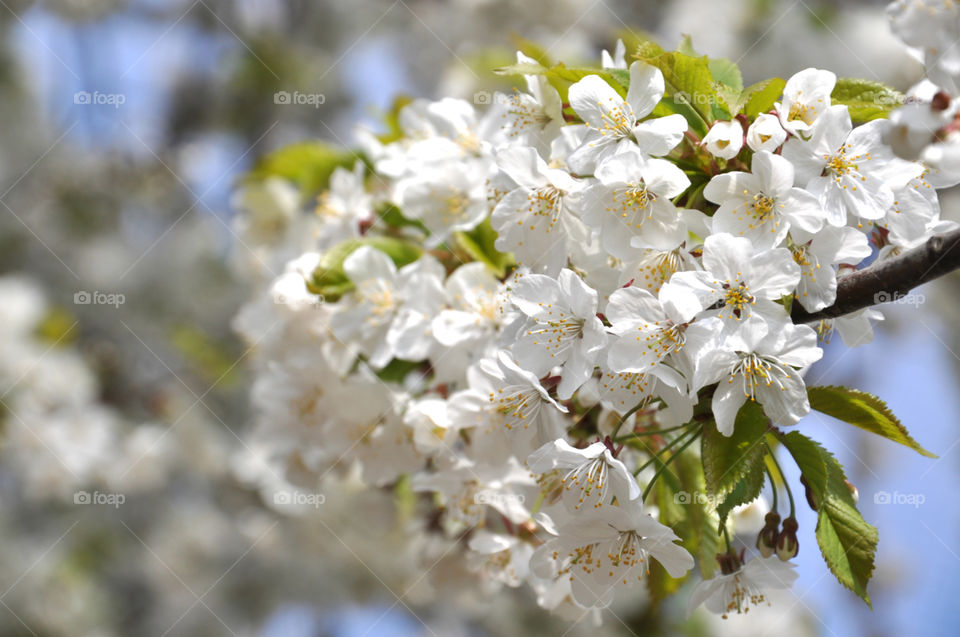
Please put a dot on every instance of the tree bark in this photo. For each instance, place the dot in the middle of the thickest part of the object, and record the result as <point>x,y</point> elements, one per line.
<point>890,279</point>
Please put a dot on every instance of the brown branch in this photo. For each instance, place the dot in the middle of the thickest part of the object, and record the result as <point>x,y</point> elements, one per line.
<point>890,279</point>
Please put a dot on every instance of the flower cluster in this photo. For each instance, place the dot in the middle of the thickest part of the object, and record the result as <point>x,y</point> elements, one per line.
<point>528,312</point>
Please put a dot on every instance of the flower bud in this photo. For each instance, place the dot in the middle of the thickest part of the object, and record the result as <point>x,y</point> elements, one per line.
<point>787,545</point>
<point>767,538</point>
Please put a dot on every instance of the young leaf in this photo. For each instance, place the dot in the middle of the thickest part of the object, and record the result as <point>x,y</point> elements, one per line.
<point>309,165</point>
<point>688,81</point>
<point>479,244</point>
<point>865,411</point>
<point>331,282</point>
<point>760,97</point>
<point>866,100</point>
<point>733,466</point>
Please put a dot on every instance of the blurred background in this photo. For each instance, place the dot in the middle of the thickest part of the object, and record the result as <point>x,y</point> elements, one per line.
<point>126,127</point>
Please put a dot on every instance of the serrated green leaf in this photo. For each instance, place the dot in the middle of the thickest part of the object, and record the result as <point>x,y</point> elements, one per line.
<point>479,244</point>
<point>688,81</point>
<point>330,281</point>
<point>809,457</point>
<point>866,100</point>
<point>865,411</point>
<point>733,466</point>
<point>847,542</point>
<point>760,97</point>
<point>690,517</point>
<point>727,73</point>
<point>308,164</point>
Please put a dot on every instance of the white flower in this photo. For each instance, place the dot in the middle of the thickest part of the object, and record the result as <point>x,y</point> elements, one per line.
<point>534,219</point>
<point>391,311</point>
<point>631,204</point>
<point>616,61</point>
<point>653,330</point>
<point>762,205</point>
<point>505,399</point>
<point>534,119</point>
<point>606,549</point>
<point>744,587</point>
<point>855,328</point>
<point>805,96</point>
<point>765,133</point>
<point>744,284</point>
<point>761,369</point>
<point>475,299</point>
<point>613,121</point>
<point>563,328</point>
<point>590,476</point>
<point>724,139</point>
<point>503,558</point>
<point>816,258</point>
<point>848,168</point>
<point>446,198</point>
<point>344,207</point>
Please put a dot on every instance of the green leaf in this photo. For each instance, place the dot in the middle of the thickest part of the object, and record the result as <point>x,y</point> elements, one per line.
<point>397,370</point>
<point>689,516</point>
<point>809,457</point>
<point>865,411</point>
<point>330,281</point>
<point>866,100</point>
<point>727,73</point>
<point>733,466</point>
<point>561,76</point>
<point>308,164</point>
<point>479,244</point>
<point>394,217</point>
<point>760,97</point>
<point>847,542</point>
<point>688,81</point>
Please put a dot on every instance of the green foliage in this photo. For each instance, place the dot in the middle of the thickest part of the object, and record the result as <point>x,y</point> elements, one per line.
<point>847,542</point>
<point>392,216</point>
<point>760,97</point>
<point>561,77</point>
<point>733,466</point>
<point>397,370</point>
<point>479,244</point>
<point>211,359</point>
<point>866,100</point>
<point>330,281</point>
<point>308,164</point>
<point>865,411</point>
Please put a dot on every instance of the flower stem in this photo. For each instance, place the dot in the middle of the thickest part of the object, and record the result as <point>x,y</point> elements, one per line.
<point>783,478</point>
<point>656,455</point>
<point>651,432</point>
<point>643,403</point>
<point>773,487</point>
<point>673,456</point>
